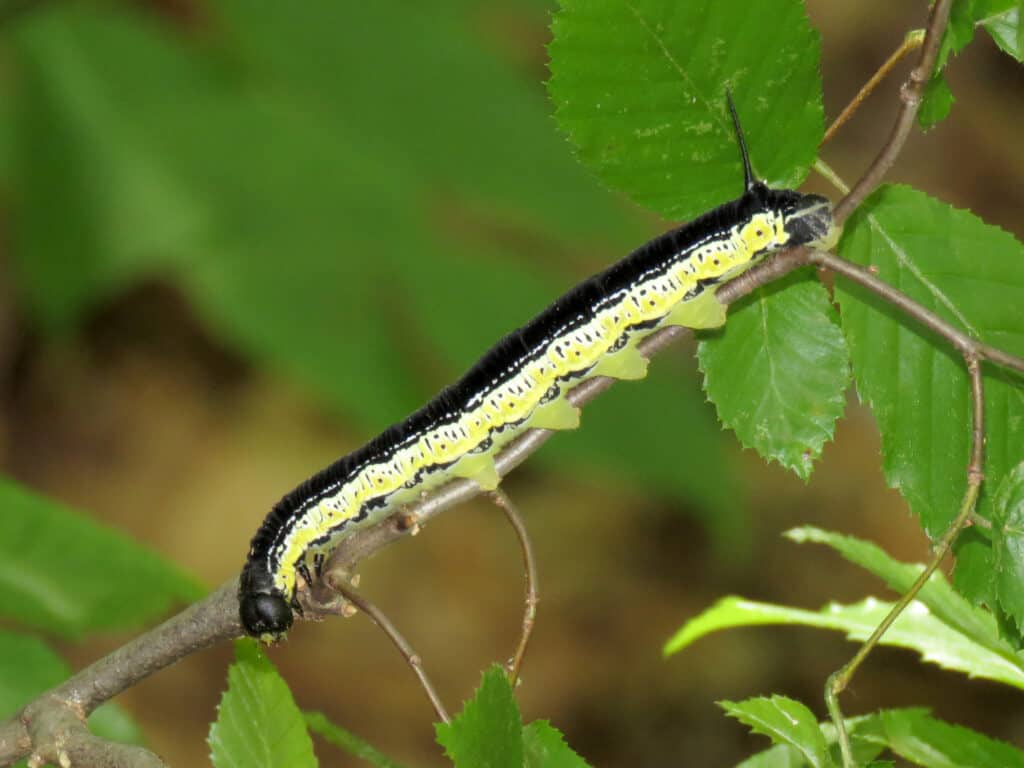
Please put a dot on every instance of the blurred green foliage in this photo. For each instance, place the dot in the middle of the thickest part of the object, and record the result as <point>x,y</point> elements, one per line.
<point>361,196</point>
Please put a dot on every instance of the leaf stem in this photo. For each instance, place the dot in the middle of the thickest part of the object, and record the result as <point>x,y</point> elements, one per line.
<point>840,679</point>
<point>910,96</point>
<point>350,593</point>
<point>913,41</point>
<point>501,499</point>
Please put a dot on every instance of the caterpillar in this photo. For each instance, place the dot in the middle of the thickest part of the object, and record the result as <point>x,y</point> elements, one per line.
<point>521,383</point>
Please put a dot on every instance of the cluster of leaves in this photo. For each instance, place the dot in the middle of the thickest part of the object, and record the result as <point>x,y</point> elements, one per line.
<point>797,352</point>
<point>1000,18</point>
<point>259,726</point>
<point>943,627</point>
<point>55,576</point>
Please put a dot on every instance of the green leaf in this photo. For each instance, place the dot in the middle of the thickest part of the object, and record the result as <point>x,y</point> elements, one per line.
<point>916,629</point>
<point>545,747</point>
<point>916,736</point>
<point>784,721</point>
<point>998,17</point>
<point>28,667</point>
<point>778,372</point>
<point>936,102</point>
<point>640,90</point>
<point>969,273</point>
<point>56,567</point>
<point>1007,29</point>
<point>488,733</point>
<point>258,724</point>
<point>319,724</point>
<point>1008,545</point>
<point>779,756</point>
<point>937,595</point>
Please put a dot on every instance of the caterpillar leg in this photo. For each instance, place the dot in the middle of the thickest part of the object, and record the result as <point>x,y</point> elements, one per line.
<point>555,414</point>
<point>626,364</point>
<point>703,311</point>
<point>479,468</point>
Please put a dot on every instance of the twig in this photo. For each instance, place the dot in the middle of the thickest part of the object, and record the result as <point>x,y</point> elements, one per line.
<point>501,498</point>
<point>910,96</point>
<point>968,346</point>
<point>838,680</point>
<point>349,592</point>
<point>910,43</point>
<point>202,624</point>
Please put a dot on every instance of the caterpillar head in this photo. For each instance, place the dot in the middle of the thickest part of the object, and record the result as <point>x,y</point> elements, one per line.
<point>264,611</point>
<point>806,219</point>
<point>264,614</point>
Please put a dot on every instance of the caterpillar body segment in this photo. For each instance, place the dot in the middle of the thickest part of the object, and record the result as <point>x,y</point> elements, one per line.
<point>521,383</point>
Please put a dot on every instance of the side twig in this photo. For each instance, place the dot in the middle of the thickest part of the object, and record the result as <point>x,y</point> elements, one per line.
<point>349,592</point>
<point>501,499</point>
<point>910,43</point>
<point>910,96</point>
<point>838,681</point>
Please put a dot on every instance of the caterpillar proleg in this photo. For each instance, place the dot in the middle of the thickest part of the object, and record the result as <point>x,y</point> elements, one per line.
<point>521,383</point>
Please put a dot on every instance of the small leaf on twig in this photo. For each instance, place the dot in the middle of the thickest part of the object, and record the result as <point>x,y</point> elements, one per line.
<point>640,89</point>
<point>778,372</point>
<point>258,724</point>
<point>784,721</point>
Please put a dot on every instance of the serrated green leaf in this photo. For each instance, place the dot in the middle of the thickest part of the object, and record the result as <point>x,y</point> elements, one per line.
<point>57,570</point>
<point>784,721</point>
<point>916,736</point>
<point>345,740</point>
<point>640,90</point>
<point>488,733</point>
<point>258,724</point>
<point>936,102</point>
<point>1008,545</point>
<point>545,747</point>
<point>971,274</point>
<point>778,372</point>
<point>916,629</point>
<point>1006,29</point>
<point>997,17</point>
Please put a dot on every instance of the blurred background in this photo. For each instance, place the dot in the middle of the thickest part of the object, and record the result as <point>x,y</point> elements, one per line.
<point>236,243</point>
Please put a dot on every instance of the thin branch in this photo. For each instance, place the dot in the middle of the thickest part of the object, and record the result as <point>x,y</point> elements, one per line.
<point>910,96</point>
<point>200,625</point>
<point>349,592</point>
<point>500,498</point>
<point>67,742</point>
<point>839,680</point>
<point>910,43</point>
<point>966,345</point>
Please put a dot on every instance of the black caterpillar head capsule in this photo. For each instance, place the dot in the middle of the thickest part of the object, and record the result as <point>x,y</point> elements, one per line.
<point>265,613</point>
<point>808,221</point>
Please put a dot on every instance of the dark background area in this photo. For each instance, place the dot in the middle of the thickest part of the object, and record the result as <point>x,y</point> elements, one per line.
<point>143,412</point>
